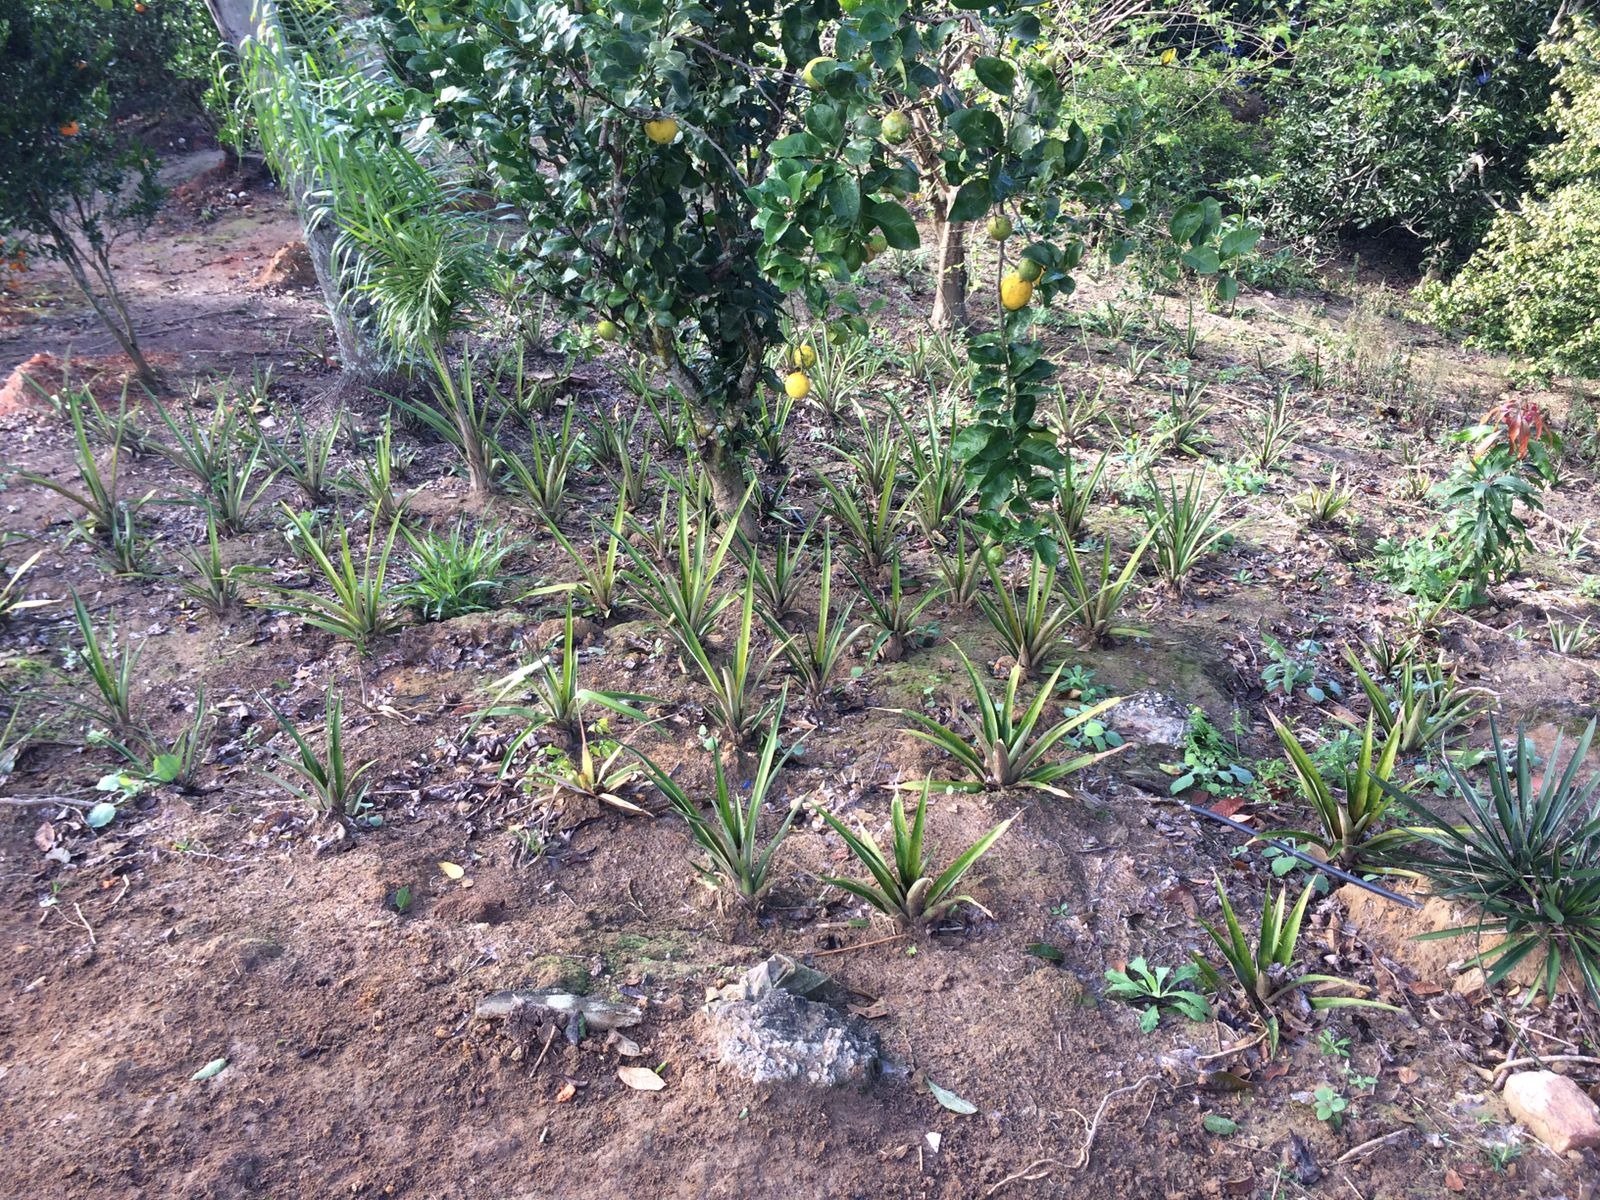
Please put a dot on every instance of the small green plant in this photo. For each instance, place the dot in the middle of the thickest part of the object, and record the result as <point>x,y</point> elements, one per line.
<point>1031,626</point>
<point>111,670</point>
<point>455,575</point>
<point>1422,700</point>
<point>1185,527</point>
<point>1075,496</point>
<point>1266,973</point>
<point>1350,810</point>
<point>1275,433</point>
<point>213,583</point>
<point>1330,1106</point>
<point>906,887</point>
<point>359,609</point>
<point>1294,671</point>
<point>684,595</point>
<point>735,705</point>
<point>1210,761</point>
<point>1565,636</point>
<point>600,574</point>
<point>897,618</point>
<point>869,529</point>
<point>178,762</point>
<point>778,589</point>
<point>325,781</point>
<point>550,684</point>
<point>815,656</point>
<point>1096,597</point>
<point>604,778</point>
<point>961,570</point>
<point>1325,505</point>
<point>1000,748</point>
<point>541,478</point>
<point>740,857</point>
<point>941,489</point>
<point>1152,989</point>
<point>1526,854</point>
<point>97,496</point>
<point>307,459</point>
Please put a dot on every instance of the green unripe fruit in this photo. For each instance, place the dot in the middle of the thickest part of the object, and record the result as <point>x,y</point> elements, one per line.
<point>607,331</point>
<point>896,128</point>
<point>1029,271</point>
<point>813,72</point>
<point>999,227</point>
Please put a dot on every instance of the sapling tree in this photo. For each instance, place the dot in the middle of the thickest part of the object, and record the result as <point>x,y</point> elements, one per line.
<point>70,182</point>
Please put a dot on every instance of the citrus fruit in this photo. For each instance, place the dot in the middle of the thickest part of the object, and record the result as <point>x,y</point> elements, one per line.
<point>803,356</point>
<point>662,131</point>
<point>607,331</point>
<point>999,227</point>
<point>797,384</point>
<point>1029,271</point>
<point>812,74</point>
<point>896,128</point>
<point>1015,291</point>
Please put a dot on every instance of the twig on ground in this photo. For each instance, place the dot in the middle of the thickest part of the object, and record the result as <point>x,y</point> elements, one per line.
<point>893,937</point>
<point>1372,1144</point>
<point>28,801</point>
<point>1093,1127</point>
<point>548,1038</point>
<point>1497,1075</point>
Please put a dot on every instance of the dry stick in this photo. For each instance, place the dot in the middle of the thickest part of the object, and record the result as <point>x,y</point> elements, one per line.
<point>548,1038</point>
<point>93,942</point>
<point>893,937</point>
<point>1498,1074</point>
<point>27,801</point>
<point>1037,1169</point>
<point>1371,1144</point>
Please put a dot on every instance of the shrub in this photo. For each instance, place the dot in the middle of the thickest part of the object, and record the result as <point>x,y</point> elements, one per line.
<point>1533,286</point>
<point>1527,855</point>
<point>1416,114</point>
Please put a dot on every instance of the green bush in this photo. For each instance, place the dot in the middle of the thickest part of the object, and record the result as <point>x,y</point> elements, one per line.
<point>1533,287</point>
<point>1411,114</point>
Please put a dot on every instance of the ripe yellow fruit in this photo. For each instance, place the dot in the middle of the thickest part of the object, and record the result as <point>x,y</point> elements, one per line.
<point>797,384</point>
<point>803,356</point>
<point>999,227</point>
<point>896,128</point>
<point>810,74</point>
<point>1029,271</point>
<point>662,131</point>
<point>607,331</point>
<point>1015,292</point>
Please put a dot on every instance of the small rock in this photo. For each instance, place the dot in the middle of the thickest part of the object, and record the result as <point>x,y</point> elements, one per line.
<point>1555,1109</point>
<point>1151,718</point>
<point>780,1037</point>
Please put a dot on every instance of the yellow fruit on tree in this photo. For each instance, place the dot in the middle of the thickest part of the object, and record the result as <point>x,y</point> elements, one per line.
<point>896,128</point>
<point>607,331</point>
<point>797,384</point>
<point>1015,291</point>
<point>812,74</point>
<point>662,131</point>
<point>999,227</point>
<point>804,356</point>
<point>1029,271</point>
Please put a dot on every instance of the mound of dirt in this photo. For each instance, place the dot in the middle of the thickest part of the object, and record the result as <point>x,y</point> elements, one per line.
<point>289,270</point>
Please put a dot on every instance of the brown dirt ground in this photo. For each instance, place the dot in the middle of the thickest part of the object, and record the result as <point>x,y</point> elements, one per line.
<point>206,926</point>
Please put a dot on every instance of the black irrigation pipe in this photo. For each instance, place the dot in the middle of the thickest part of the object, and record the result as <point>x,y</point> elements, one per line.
<point>1317,864</point>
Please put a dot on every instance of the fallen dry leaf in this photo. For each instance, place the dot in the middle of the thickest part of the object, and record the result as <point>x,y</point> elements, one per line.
<point>566,1093</point>
<point>1453,1180</point>
<point>1407,1075</point>
<point>641,1079</point>
<point>871,1012</point>
<point>452,870</point>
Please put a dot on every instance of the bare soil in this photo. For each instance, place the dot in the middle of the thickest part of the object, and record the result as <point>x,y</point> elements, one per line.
<point>208,926</point>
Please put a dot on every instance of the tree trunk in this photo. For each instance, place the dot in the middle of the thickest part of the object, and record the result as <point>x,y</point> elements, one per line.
<point>360,358</point>
<point>950,268</point>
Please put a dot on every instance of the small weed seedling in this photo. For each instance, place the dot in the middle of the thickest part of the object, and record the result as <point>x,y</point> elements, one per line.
<point>1156,988</point>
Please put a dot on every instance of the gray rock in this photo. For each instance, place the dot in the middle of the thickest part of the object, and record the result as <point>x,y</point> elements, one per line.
<point>779,1036</point>
<point>1151,718</point>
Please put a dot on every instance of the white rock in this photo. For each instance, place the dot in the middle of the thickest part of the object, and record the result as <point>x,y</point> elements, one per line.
<point>1557,1110</point>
